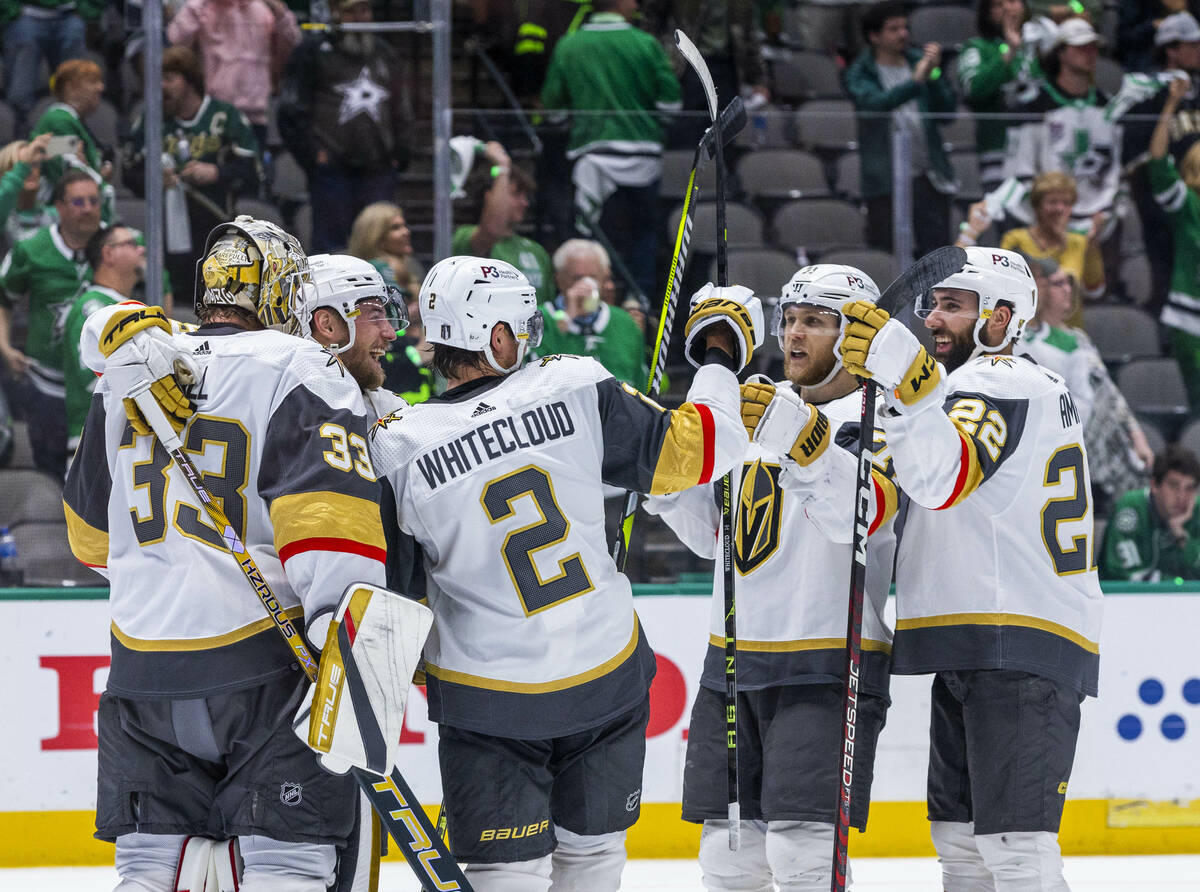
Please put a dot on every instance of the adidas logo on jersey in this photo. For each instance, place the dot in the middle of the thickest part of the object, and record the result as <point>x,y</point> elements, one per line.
<point>482,409</point>
<point>202,350</point>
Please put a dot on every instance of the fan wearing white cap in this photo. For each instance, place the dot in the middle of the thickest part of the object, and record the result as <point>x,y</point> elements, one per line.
<point>997,594</point>
<point>795,495</point>
<point>1064,126</point>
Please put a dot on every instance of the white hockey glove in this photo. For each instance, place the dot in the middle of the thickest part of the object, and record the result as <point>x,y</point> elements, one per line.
<point>783,424</point>
<point>352,714</point>
<point>734,306</point>
<point>137,345</point>
<point>876,346</point>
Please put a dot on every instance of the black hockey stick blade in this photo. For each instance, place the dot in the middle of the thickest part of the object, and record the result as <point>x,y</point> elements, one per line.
<point>924,273</point>
<point>731,123</point>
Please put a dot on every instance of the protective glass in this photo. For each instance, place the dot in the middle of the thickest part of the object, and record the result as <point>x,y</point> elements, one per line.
<point>536,325</point>
<point>951,305</point>
<point>390,310</point>
<point>802,318</point>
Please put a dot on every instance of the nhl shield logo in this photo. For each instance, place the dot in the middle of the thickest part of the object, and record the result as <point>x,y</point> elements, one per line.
<point>757,529</point>
<point>291,794</point>
<point>632,800</point>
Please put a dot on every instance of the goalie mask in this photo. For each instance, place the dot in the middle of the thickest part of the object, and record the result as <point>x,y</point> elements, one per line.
<point>352,288</point>
<point>995,276</point>
<point>462,299</point>
<point>254,265</point>
<point>829,286</point>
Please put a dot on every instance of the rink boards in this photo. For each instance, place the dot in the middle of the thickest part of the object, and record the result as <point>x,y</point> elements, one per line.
<point>1135,788</point>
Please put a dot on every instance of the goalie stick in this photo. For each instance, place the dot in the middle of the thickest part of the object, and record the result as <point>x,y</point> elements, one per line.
<point>696,61</point>
<point>391,797</point>
<point>732,122</point>
<point>918,278</point>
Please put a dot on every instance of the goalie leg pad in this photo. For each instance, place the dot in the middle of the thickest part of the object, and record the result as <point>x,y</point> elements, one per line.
<point>352,715</point>
<point>963,868</point>
<point>587,863</point>
<point>745,870</point>
<point>148,862</point>
<point>1029,861</point>
<point>511,876</point>
<point>798,852</point>
<point>272,865</point>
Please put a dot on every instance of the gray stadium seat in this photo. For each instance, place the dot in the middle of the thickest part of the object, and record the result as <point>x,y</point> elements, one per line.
<point>1154,387</point>
<point>1189,437</point>
<point>827,124</point>
<point>1132,240</point>
<point>818,225</point>
<point>966,168</point>
<point>676,166</point>
<point>947,25</point>
<point>781,174</point>
<point>1154,436</point>
<point>22,455</point>
<point>29,495</point>
<point>958,135</point>
<point>847,178</point>
<point>769,127</point>
<point>132,212</point>
<point>805,75</point>
<point>290,182</point>
<point>44,555</point>
<point>1122,333</point>
<point>743,224</point>
<point>763,270</point>
<point>879,265</point>
<point>1134,276</point>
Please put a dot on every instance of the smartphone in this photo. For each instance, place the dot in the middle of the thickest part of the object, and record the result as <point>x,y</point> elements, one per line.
<point>62,145</point>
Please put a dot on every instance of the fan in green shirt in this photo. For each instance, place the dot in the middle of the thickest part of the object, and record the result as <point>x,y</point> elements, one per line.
<point>498,194</point>
<point>579,322</point>
<point>118,261</point>
<point>1154,533</point>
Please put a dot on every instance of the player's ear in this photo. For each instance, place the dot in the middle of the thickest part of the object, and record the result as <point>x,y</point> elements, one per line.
<point>1000,318</point>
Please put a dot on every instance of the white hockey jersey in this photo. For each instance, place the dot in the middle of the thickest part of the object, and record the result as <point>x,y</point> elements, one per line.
<point>792,548</point>
<point>499,481</point>
<point>995,568</point>
<point>280,439</point>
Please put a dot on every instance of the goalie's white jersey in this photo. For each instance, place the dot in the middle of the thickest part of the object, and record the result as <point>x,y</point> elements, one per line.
<point>996,563</point>
<point>793,528</point>
<point>280,439</point>
<point>500,483</point>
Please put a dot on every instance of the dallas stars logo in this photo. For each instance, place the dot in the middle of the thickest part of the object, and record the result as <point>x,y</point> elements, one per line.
<point>363,95</point>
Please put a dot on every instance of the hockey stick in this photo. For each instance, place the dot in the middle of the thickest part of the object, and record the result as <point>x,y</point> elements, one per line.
<point>696,61</point>
<point>918,278</point>
<point>733,120</point>
<point>391,797</point>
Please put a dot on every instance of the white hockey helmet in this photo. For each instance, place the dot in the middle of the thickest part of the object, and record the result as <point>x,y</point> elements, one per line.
<point>462,299</point>
<point>827,285</point>
<point>254,265</point>
<point>342,283</point>
<point>996,276</point>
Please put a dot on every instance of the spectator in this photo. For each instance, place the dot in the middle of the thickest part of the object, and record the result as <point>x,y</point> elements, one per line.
<point>524,35</point>
<point>497,195</point>
<point>1066,128</point>
<point>37,30</point>
<point>118,263</point>
<point>381,235</point>
<point>579,322</point>
<point>244,45</point>
<point>21,209</point>
<point>830,26</point>
<point>1178,191</point>
<point>213,158</point>
<point>346,117</point>
<point>78,85</point>
<point>1137,106</point>
<point>615,78</point>
<point>726,34</point>
<point>890,76</point>
<point>1119,456</point>
<point>1154,533</point>
<point>1059,12</point>
<point>1052,197</point>
<point>47,269</point>
<point>992,70</point>
<point>1137,24</point>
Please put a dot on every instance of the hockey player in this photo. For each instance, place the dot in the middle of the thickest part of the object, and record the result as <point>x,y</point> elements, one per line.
<point>537,667</point>
<point>792,544</point>
<point>996,588</point>
<point>195,725</point>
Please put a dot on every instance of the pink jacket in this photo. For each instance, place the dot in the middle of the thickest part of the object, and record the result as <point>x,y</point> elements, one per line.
<point>244,45</point>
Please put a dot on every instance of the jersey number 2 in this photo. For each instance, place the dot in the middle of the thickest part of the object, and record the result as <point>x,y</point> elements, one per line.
<point>520,545</point>
<point>1068,508</point>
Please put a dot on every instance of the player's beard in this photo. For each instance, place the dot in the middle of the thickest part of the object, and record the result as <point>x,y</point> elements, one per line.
<point>362,368</point>
<point>811,375</point>
<point>962,345</point>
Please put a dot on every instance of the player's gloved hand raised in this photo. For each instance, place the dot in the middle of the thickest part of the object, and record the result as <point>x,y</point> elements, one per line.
<point>874,345</point>
<point>733,306</point>
<point>137,346</point>
<point>783,424</point>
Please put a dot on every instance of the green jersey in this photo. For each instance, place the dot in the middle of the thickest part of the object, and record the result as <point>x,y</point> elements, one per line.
<point>1139,546</point>
<point>989,86</point>
<point>613,340</point>
<point>523,253</point>
<point>62,120</point>
<point>80,380</point>
<point>45,270</point>
<point>1182,310</point>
